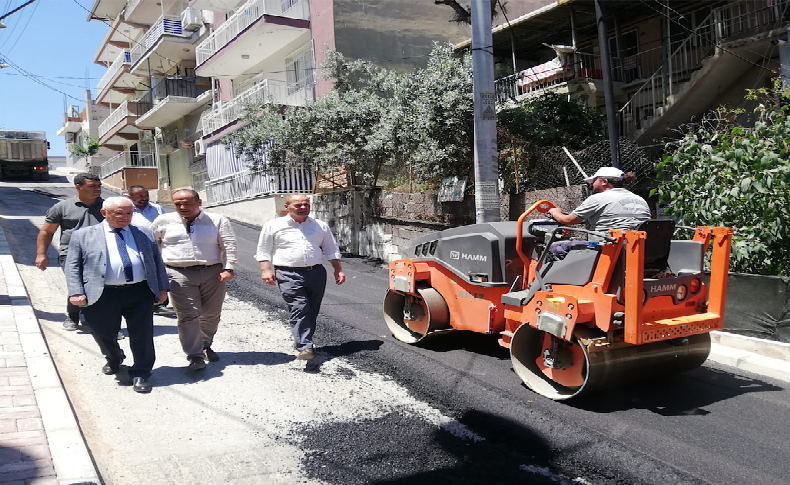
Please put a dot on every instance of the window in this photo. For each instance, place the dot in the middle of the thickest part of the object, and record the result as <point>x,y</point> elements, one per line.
<point>300,68</point>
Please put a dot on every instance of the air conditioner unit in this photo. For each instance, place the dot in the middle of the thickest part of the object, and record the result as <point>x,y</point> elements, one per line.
<point>69,137</point>
<point>190,19</point>
<point>200,148</point>
<point>146,135</point>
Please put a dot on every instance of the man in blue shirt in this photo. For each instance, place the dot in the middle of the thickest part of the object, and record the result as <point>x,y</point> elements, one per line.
<point>144,214</point>
<point>145,211</point>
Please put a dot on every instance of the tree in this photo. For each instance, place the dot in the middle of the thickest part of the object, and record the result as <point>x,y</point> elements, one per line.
<point>551,120</point>
<point>376,119</point>
<point>90,149</point>
<point>725,174</point>
<point>463,15</point>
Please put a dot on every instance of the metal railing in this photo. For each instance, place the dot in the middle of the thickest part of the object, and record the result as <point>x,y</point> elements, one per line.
<point>245,16</point>
<point>124,58</point>
<point>127,159</point>
<point>584,67</point>
<point>725,23</point>
<point>250,183</point>
<point>116,116</point>
<point>257,93</point>
<point>186,87</point>
<point>167,24</point>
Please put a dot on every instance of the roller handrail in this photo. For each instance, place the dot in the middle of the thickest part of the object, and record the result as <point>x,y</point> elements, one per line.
<point>541,206</point>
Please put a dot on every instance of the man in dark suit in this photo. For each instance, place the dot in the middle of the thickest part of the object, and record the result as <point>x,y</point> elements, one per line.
<point>115,270</point>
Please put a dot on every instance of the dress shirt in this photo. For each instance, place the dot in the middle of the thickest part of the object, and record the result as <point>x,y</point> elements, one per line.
<point>285,242</point>
<point>209,240</point>
<point>144,217</point>
<point>115,274</point>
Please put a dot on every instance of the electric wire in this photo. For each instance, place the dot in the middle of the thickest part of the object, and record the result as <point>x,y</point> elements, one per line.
<point>35,79</point>
<point>24,28</point>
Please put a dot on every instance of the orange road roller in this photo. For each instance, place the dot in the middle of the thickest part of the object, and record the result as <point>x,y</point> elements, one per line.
<point>620,306</point>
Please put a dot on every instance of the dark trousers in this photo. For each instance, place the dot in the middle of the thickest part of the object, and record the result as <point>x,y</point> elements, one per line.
<point>302,291</point>
<point>132,302</point>
<point>73,311</point>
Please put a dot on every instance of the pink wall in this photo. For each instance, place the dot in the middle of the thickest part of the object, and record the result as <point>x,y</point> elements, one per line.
<point>322,26</point>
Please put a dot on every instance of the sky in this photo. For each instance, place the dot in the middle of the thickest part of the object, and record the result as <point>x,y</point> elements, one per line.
<point>53,40</point>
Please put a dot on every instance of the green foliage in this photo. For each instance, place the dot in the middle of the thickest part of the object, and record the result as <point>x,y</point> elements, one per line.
<point>551,120</point>
<point>418,122</point>
<point>90,149</point>
<point>723,174</point>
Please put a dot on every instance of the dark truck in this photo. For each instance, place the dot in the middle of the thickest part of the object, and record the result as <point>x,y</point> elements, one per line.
<point>24,153</point>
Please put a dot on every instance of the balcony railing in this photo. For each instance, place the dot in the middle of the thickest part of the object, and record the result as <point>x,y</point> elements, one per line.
<point>726,23</point>
<point>124,58</point>
<point>251,183</point>
<point>115,117</point>
<point>185,87</point>
<point>168,24</point>
<point>127,159</point>
<point>245,16</point>
<point>584,67</point>
<point>257,93</point>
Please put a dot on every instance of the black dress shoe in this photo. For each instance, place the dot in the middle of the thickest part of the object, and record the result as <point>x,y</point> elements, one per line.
<point>110,369</point>
<point>141,385</point>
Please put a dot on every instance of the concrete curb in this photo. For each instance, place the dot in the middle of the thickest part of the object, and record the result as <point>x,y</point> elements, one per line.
<point>764,357</point>
<point>70,456</point>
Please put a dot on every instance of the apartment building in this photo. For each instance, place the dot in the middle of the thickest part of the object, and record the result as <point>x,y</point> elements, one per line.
<point>151,90</point>
<point>672,60</point>
<point>181,73</point>
<point>79,126</point>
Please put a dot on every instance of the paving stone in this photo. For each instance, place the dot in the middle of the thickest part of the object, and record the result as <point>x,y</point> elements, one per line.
<point>29,424</point>
<point>6,401</point>
<point>52,481</point>
<point>17,380</point>
<point>13,372</point>
<point>25,465</point>
<point>24,400</point>
<point>15,362</point>
<point>10,455</point>
<point>36,452</point>
<point>8,426</point>
<point>7,437</point>
<point>23,474</point>
<point>20,412</point>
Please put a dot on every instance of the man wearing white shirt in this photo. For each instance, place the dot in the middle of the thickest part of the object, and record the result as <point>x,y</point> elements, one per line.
<point>199,250</point>
<point>291,253</point>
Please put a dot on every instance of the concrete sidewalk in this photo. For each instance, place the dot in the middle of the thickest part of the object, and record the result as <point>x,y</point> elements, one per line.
<point>40,441</point>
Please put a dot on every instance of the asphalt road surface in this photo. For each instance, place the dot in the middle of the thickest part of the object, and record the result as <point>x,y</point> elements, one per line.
<point>371,409</point>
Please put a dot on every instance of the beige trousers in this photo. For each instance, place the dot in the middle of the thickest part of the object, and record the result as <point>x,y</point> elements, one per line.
<point>197,295</point>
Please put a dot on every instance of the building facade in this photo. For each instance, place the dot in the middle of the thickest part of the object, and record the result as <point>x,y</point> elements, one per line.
<point>180,75</point>
<point>671,61</point>
<point>79,127</point>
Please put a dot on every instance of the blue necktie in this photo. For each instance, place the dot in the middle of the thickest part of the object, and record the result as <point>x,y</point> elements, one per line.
<point>127,262</point>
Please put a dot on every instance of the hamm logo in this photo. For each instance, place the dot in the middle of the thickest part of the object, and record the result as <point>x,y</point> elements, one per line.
<point>473,257</point>
<point>662,288</point>
<point>455,255</point>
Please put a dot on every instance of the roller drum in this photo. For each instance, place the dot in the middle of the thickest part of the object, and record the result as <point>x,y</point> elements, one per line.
<point>606,369</point>
<point>429,313</point>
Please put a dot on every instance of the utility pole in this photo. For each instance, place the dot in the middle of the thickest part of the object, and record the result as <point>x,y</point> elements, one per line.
<point>486,177</point>
<point>608,88</point>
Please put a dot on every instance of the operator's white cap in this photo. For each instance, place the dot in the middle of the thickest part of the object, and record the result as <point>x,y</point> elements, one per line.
<point>605,172</point>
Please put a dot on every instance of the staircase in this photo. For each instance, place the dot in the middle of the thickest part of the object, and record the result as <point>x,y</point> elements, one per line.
<point>716,54</point>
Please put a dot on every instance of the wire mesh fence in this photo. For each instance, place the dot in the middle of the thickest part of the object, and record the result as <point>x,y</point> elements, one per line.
<point>551,167</point>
